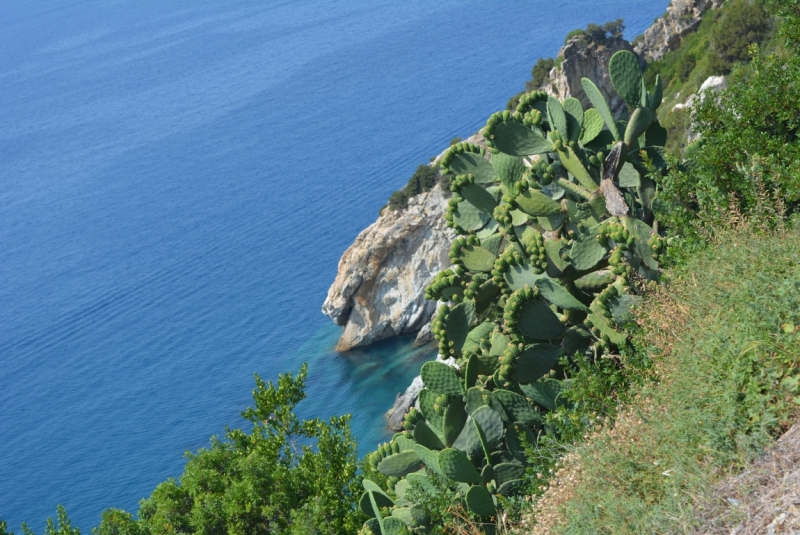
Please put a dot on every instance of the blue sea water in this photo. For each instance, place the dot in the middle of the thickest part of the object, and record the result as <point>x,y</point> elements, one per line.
<point>177,183</point>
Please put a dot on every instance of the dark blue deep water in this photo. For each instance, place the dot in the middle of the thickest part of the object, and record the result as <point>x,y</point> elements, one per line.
<point>177,183</point>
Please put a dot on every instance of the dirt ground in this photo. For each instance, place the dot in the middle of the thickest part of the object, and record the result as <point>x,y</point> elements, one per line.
<point>764,499</point>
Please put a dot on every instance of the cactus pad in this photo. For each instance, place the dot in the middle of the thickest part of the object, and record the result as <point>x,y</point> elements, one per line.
<point>508,472</point>
<point>599,103</point>
<point>474,399</point>
<point>587,252</point>
<point>371,486</point>
<point>467,217</point>
<point>606,330</point>
<point>458,322</point>
<point>403,514</point>
<point>482,331</point>
<point>394,526</point>
<point>518,276</point>
<point>455,416</point>
<point>400,464</point>
<point>427,404</point>
<point>556,116</point>
<point>491,424</point>
<point>456,466</point>
<point>574,114</point>
<point>626,75</point>
<point>427,437</point>
<point>595,280</point>
<point>559,296</point>
<point>536,203</point>
<point>470,163</point>
<point>479,198</point>
<point>381,499</point>
<point>440,378</point>
<point>428,458</point>
<point>517,139</point>
<point>572,163</point>
<point>480,502</point>
<point>628,177</point>
<point>535,361</point>
<point>422,482</point>
<point>544,392</point>
<point>537,321</point>
<point>592,125</point>
<point>476,258</point>
<point>517,407</point>
<point>658,94</point>
<point>620,307</point>
<point>640,121</point>
<point>508,168</point>
<point>510,488</point>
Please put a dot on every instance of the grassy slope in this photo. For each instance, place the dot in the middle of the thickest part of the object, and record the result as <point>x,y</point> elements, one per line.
<point>724,334</point>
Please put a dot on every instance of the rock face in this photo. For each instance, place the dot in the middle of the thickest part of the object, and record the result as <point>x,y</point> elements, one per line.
<point>712,85</point>
<point>379,289</point>
<point>583,59</point>
<point>667,32</point>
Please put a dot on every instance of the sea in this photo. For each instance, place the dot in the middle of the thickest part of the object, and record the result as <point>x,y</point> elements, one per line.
<point>178,180</point>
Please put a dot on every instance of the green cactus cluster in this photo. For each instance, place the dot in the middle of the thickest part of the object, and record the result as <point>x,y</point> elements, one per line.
<point>554,221</point>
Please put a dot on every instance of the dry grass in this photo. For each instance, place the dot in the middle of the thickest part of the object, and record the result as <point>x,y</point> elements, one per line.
<point>763,499</point>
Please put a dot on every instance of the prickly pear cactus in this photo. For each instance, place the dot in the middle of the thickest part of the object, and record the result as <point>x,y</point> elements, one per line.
<point>554,224</point>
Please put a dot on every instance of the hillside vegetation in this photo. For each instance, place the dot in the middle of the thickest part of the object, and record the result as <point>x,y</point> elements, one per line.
<point>566,412</point>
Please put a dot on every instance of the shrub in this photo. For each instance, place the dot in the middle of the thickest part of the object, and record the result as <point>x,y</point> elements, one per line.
<point>423,179</point>
<point>685,67</point>
<point>541,72</point>
<point>600,34</point>
<point>744,24</point>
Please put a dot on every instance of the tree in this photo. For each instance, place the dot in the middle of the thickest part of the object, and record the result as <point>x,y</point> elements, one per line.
<point>744,24</point>
<point>285,476</point>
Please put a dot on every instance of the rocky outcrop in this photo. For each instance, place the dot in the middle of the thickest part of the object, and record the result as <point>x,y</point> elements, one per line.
<point>403,402</point>
<point>712,85</point>
<point>379,289</point>
<point>667,32</point>
<point>580,58</point>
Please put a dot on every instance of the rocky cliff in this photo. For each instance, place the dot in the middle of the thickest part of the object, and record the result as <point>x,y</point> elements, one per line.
<point>379,289</point>
<point>667,32</point>
<point>580,58</point>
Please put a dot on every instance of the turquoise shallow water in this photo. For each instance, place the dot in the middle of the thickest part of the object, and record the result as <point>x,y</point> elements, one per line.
<point>179,180</point>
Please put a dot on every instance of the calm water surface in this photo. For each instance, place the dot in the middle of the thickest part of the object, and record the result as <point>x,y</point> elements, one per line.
<point>178,181</point>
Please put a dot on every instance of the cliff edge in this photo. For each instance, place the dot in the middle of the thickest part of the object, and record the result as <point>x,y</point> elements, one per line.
<point>379,291</point>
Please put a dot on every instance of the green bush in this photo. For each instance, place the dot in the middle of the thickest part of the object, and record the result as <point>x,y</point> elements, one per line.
<point>744,24</point>
<point>423,179</point>
<point>750,150</point>
<point>541,72</point>
<point>285,476</point>
<point>596,33</point>
<point>685,66</point>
